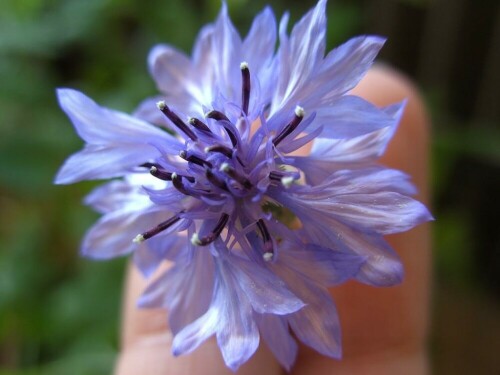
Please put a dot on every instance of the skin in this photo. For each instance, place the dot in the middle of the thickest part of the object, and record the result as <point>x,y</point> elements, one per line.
<point>384,329</point>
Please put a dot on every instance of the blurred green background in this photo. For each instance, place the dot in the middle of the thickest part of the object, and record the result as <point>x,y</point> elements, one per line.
<point>59,314</point>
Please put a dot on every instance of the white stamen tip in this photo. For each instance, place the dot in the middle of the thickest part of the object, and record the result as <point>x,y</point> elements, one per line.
<point>191,120</point>
<point>224,167</point>
<point>138,239</point>
<point>195,239</point>
<point>153,169</point>
<point>161,105</point>
<point>174,176</point>
<point>299,111</point>
<point>287,181</point>
<point>244,65</point>
<point>268,256</point>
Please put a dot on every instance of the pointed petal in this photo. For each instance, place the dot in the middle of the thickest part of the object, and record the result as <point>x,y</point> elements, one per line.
<point>171,70</point>
<point>112,235</point>
<point>317,325</point>
<point>350,116</point>
<point>274,330</point>
<point>266,292</point>
<point>342,69</point>
<point>185,290</point>
<point>307,47</point>
<point>227,52</point>
<point>116,142</point>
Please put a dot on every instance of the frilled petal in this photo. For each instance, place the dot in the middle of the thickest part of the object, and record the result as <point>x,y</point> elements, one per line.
<point>266,292</point>
<point>118,194</point>
<point>350,116</point>
<point>275,332</point>
<point>327,267</point>
<point>171,69</point>
<point>227,56</point>
<point>148,258</point>
<point>185,290</point>
<point>116,142</point>
<point>382,266</point>
<point>258,51</point>
<point>230,317</point>
<point>373,199</point>
<point>330,155</point>
<point>341,70</point>
<point>302,53</point>
<point>317,325</point>
<point>112,235</point>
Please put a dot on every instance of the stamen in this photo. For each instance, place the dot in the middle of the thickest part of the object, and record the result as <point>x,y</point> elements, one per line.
<point>219,116</point>
<point>158,229</point>
<point>177,182</point>
<point>286,179</point>
<point>166,176</point>
<point>292,125</point>
<point>215,180</point>
<point>194,159</point>
<point>245,87</point>
<point>268,256</point>
<point>216,115</point>
<point>162,106</point>
<point>212,236</point>
<point>268,242</point>
<point>224,150</point>
<point>199,125</point>
<point>231,172</point>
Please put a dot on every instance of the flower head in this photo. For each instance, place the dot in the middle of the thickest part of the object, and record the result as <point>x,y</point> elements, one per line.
<point>255,230</point>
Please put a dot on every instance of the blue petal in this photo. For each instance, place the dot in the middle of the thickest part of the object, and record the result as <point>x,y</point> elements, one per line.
<point>302,53</point>
<point>266,292</point>
<point>230,317</point>
<point>317,325</point>
<point>275,332</point>
<point>116,142</point>
<point>171,69</point>
<point>227,52</point>
<point>112,235</point>
<point>327,267</point>
<point>185,290</point>
<point>350,116</point>
<point>341,70</point>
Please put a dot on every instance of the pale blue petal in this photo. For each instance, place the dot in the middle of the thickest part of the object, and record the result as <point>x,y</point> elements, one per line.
<point>317,325</point>
<point>275,332</point>
<point>171,70</point>
<point>116,142</point>
<point>112,235</point>
<point>266,292</point>
<point>185,290</point>
<point>304,52</point>
<point>341,70</point>
<point>350,116</point>
<point>227,56</point>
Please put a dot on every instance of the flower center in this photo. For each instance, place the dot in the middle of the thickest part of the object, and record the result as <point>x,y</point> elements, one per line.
<point>225,166</point>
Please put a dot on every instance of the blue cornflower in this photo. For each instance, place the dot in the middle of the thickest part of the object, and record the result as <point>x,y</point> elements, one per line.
<point>210,181</point>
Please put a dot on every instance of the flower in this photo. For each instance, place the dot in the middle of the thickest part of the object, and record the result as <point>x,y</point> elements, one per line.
<point>255,231</point>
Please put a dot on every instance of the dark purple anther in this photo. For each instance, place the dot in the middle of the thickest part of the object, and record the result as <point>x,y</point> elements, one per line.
<point>292,125</point>
<point>245,89</point>
<point>159,228</point>
<point>212,236</point>
<point>176,120</point>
